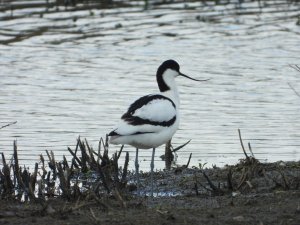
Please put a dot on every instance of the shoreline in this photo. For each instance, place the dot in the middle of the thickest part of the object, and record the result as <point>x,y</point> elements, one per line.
<point>269,195</point>
<point>99,191</point>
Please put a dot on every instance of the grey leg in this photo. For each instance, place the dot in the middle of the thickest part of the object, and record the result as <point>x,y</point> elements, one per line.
<point>152,167</point>
<point>137,166</point>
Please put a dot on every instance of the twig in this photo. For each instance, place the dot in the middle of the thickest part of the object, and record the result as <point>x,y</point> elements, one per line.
<point>295,66</point>
<point>125,169</point>
<point>106,142</point>
<point>3,159</point>
<point>250,149</point>
<point>97,220</point>
<point>33,180</point>
<point>64,184</point>
<point>213,187</point>
<point>196,188</point>
<point>115,169</point>
<point>65,163</point>
<point>103,144</point>
<point>206,188</point>
<point>181,146</point>
<point>188,163</point>
<point>43,167</point>
<point>74,157</point>
<point>103,178</point>
<point>242,179</point>
<point>229,180</point>
<point>168,155</point>
<point>99,151</point>
<point>119,154</point>
<point>93,163</point>
<point>76,149</point>
<point>51,163</point>
<point>241,141</point>
<point>294,90</point>
<point>8,185</point>
<point>85,159</point>
<point>16,167</point>
<point>249,184</point>
<point>9,124</point>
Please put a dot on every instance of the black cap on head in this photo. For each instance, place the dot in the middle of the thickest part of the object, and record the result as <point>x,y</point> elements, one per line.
<point>168,64</point>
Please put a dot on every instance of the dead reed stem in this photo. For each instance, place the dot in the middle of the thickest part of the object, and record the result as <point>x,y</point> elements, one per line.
<point>168,155</point>
<point>61,179</point>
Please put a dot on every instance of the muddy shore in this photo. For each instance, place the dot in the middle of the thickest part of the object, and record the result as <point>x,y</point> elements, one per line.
<point>246,193</point>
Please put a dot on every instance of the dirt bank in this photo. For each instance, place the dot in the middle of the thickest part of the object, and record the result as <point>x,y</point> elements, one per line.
<point>247,193</point>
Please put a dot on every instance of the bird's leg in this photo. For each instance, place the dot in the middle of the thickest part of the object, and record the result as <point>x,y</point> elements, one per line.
<point>137,179</point>
<point>152,167</point>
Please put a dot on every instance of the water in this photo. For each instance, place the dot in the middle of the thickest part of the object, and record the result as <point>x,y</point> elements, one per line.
<point>71,73</point>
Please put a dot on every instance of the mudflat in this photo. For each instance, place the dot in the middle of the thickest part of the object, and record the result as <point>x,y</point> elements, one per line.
<point>247,193</point>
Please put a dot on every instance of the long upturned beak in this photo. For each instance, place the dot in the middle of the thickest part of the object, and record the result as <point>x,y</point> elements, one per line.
<point>181,74</point>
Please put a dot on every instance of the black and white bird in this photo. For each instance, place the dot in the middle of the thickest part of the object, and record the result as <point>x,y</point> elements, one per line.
<point>152,120</point>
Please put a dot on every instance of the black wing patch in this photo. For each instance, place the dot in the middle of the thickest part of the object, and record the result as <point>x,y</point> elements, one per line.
<point>135,120</point>
<point>114,133</point>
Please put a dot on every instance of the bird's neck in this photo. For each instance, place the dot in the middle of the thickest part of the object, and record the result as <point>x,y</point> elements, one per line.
<point>167,85</point>
<point>172,93</point>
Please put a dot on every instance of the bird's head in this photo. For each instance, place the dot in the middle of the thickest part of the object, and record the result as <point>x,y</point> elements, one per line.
<point>167,71</point>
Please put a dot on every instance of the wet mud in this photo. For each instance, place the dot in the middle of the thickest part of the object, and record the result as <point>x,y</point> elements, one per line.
<point>246,193</point>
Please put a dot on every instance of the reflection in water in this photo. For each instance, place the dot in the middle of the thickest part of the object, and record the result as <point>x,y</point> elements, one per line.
<point>63,77</point>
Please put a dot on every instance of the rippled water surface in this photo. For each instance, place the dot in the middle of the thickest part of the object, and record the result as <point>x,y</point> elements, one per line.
<point>68,73</point>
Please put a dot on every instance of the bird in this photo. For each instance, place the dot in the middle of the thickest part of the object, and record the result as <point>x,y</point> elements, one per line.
<point>153,119</point>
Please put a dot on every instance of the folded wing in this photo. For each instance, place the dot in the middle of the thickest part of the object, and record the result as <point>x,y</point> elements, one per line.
<point>148,114</point>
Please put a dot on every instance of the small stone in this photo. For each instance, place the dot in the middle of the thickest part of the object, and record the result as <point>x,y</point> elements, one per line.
<point>235,193</point>
<point>239,218</point>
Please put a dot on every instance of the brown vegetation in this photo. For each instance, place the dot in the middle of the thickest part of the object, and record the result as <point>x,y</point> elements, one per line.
<point>92,188</point>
